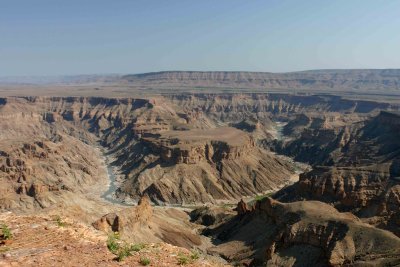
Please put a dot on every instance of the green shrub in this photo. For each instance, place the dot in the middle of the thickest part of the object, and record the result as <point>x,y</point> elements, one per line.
<point>123,252</point>
<point>121,249</point>
<point>7,235</point>
<point>261,197</point>
<point>183,259</point>
<point>112,243</point>
<point>138,247</point>
<point>195,255</point>
<point>144,261</point>
<point>60,222</point>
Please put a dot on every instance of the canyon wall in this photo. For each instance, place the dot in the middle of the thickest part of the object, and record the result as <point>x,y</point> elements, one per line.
<point>148,138</point>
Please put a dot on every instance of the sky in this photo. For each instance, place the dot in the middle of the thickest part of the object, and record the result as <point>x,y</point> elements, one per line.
<point>60,37</point>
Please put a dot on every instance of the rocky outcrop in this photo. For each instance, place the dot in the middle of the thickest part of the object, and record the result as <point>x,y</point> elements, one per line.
<point>364,176</point>
<point>43,161</point>
<point>306,233</point>
<point>243,208</point>
<point>113,222</point>
<point>39,173</point>
<point>206,181</point>
<point>236,107</point>
<point>143,223</point>
<point>192,146</point>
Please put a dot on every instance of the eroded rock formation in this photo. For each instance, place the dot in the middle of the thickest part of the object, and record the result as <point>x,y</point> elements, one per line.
<point>359,172</point>
<point>143,223</point>
<point>305,233</point>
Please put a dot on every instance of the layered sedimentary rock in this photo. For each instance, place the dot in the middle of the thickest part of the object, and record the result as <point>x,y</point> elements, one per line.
<point>238,106</point>
<point>192,146</point>
<point>361,80</point>
<point>133,129</point>
<point>307,233</point>
<point>149,138</point>
<point>352,80</point>
<point>359,172</point>
<point>204,166</point>
<point>42,163</point>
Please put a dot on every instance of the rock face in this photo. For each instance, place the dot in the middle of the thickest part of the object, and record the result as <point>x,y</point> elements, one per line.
<point>193,146</point>
<point>195,179</point>
<point>306,233</point>
<point>359,174</point>
<point>209,165</point>
<point>236,107</point>
<point>42,163</point>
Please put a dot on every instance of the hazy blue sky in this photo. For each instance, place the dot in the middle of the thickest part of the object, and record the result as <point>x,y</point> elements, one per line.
<point>50,37</point>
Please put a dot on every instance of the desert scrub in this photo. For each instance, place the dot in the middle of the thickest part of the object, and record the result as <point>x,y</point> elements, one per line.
<point>112,242</point>
<point>6,232</point>
<point>4,249</point>
<point>183,259</point>
<point>60,222</point>
<point>138,247</point>
<point>195,255</point>
<point>261,197</point>
<point>121,249</point>
<point>123,252</point>
<point>144,261</point>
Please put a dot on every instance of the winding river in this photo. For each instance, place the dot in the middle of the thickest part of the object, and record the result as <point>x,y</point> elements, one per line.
<point>109,194</point>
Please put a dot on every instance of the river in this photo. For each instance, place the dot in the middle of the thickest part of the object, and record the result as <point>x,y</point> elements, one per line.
<point>109,194</point>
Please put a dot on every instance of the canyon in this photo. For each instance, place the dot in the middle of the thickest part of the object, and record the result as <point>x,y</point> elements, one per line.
<point>247,178</point>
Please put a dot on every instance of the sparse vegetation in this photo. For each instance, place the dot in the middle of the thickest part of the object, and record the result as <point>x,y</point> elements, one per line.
<point>183,259</point>
<point>261,197</point>
<point>4,249</point>
<point>138,247</point>
<point>195,255</point>
<point>112,242</point>
<point>6,232</point>
<point>228,206</point>
<point>121,249</point>
<point>144,261</point>
<point>123,252</point>
<point>60,222</point>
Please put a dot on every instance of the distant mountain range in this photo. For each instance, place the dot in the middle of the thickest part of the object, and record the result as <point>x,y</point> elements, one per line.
<point>353,79</point>
<point>61,79</point>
